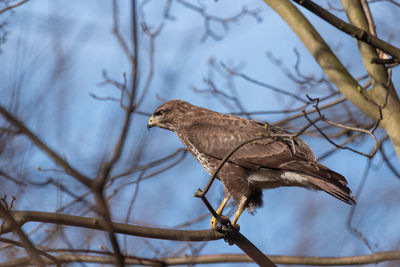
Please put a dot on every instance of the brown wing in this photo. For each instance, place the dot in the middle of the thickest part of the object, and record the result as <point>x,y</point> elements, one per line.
<point>216,135</point>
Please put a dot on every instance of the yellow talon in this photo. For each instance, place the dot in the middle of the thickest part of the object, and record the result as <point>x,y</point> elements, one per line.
<point>213,220</point>
<point>239,211</point>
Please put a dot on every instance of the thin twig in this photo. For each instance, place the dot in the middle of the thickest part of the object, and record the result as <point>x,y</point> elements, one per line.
<point>40,251</point>
<point>301,114</point>
<point>151,164</point>
<point>224,22</point>
<point>152,36</point>
<point>353,209</point>
<point>333,143</point>
<point>257,82</point>
<point>13,6</point>
<point>51,153</point>
<point>117,34</point>
<point>356,129</point>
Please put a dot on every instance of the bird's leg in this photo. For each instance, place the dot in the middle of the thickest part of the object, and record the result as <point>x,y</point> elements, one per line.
<point>239,210</point>
<point>214,221</point>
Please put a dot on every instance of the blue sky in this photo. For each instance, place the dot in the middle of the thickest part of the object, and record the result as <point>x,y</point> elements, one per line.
<point>55,102</point>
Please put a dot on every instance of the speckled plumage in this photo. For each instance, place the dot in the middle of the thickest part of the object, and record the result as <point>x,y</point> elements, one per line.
<point>268,163</point>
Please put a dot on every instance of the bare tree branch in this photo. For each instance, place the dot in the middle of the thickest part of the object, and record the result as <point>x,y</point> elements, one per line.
<point>13,6</point>
<point>43,252</point>
<point>356,129</point>
<point>351,30</point>
<point>22,217</point>
<point>308,112</point>
<point>374,258</point>
<point>270,87</point>
<point>338,74</point>
<point>14,226</point>
<point>51,153</point>
<point>208,19</point>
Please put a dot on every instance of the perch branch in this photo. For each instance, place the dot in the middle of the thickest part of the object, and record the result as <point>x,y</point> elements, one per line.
<point>22,217</point>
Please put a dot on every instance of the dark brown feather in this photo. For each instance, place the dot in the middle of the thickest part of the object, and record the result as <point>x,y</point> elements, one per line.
<point>210,136</point>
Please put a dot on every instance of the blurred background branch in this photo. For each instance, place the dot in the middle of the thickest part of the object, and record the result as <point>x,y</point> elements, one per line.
<point>80,80</point>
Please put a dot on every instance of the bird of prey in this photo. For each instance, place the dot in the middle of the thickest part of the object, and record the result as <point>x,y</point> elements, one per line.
<point>275,159</point>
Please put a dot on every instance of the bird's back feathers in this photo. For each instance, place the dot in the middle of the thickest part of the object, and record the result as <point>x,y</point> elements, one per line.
<point>217,136</point>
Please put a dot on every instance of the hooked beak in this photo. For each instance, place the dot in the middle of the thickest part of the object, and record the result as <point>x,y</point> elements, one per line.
<point>151,123</point>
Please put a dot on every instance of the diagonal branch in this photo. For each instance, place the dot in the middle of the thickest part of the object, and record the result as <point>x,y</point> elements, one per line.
<point>339,75</point>
<point>52,259</point>
<point>330,64</point>
<point>13,6</point>
<point>14,226</point>
<point>356,129</point>
<point>351,30</point>
<point>51,153</point>
<point>301,114</point>
<point>262,84</point>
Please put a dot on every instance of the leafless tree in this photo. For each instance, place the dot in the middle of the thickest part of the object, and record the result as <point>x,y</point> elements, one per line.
<point>82,181</point>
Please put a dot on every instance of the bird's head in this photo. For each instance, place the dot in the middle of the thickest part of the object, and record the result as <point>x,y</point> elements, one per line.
<point>170,115</point>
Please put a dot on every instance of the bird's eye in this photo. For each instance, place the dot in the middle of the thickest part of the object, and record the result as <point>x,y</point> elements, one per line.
<point>159,113</point>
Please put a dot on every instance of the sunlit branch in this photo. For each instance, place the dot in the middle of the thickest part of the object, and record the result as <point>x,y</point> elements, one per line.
<point>351,30</point>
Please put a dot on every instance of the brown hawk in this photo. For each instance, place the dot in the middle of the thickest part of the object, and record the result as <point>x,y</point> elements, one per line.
<point>276,160</point>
